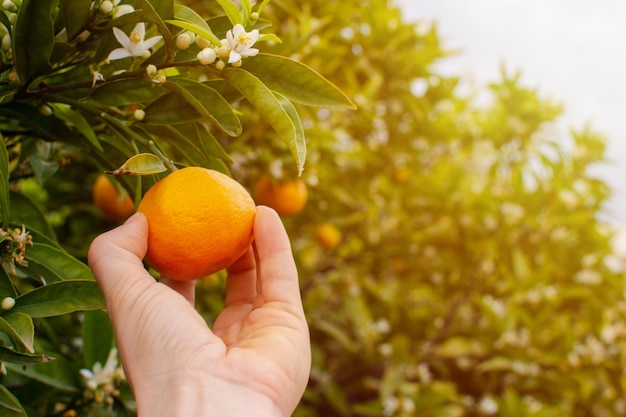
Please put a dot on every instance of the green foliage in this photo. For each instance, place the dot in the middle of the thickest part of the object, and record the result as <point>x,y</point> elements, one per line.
<point>93,86</point>
<point>473,276</point>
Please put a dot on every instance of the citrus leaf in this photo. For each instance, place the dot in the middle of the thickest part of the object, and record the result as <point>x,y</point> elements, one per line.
<point>9,405</point>
<point>19,327</point>
<point>11,356</point>
<point>26,211</point>
<point>60,298</point>
<point>76,119</point>
<point>170,109</point>
<point>232,11</point>
<point>208,103</point>
<point>97,337</point>
<point>4,184</point>
<point>33,39</point>
<point>75,16</point>
<point>141,164</point>
<point>271,108</point>
<point>7,289</point>
<point>125,92</point>
<point>296,81</point>
<point>53,264</point>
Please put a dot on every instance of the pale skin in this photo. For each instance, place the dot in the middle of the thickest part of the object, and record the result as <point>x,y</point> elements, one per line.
<point>254,361</point>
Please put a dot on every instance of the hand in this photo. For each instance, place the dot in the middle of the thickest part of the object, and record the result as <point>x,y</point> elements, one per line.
<point>254,362</point>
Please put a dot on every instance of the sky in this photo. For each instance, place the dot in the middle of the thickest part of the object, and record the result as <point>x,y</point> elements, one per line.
<point>571,51</point>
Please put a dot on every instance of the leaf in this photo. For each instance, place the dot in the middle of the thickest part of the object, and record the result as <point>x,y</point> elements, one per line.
<point>4,184</point>
<point>9,405</point>
<point>297,146</point>
<point>75,16</point>
<point>232,11</point>
<point>125,92</point>
<point>26,211</point>
<point>97,337</point>
<point>19,327</point>
<point>50,261</point>
<point>60,298</point>
<point>296,81</point>
<point>208,103</point>
<point>60,373</point>
<point>11,356</point>
<point>141,164</point>
<point>271,108</point>
<point>7,289</point>
<point>33,39</point>
<point>170,109</point>
<point>76,119</point>
<point>44,126</point>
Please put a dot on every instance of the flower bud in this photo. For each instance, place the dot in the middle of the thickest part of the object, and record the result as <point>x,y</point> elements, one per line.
<point>106,7</point>
<point>139,115</point>
<point>207,56</point>
<point>7,303</point>
<point>151,70</point>
<point>202,43</point>
<point>220,65</point>
<point>6,42</point>
<point>184,41</point>
<point>8,5</point>
<point>45,110</point>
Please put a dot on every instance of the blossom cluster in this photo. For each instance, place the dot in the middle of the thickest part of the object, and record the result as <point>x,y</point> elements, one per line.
<point>13,242</point>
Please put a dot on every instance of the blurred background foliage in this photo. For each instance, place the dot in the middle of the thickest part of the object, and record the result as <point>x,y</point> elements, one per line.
<point>451,255</point>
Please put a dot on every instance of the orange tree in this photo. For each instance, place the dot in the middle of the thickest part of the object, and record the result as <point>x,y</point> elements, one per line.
<point>89,86</point>
<point>472,276</point>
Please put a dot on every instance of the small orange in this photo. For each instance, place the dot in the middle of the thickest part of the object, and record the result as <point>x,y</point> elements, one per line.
<point>200,221</point>
<point>328,235</point>
<point>115,206</point>
<point>288,198</point>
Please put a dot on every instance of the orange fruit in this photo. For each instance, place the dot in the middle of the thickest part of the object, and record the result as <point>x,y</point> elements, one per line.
<point>328,235</point>
<point>114,205</point>
<point>288,198</point>
<point>200,221</point>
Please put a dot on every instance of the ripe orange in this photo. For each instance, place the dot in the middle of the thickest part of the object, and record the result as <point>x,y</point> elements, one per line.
<point>115,206</point>
<point>288,198</point>
<point>328,235</point>
<point>200,221</point>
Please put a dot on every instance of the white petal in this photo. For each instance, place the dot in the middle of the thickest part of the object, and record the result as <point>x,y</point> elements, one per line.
<point>238,30</point>
<point>149,43</point>
<point>122,38</point>
<point>254,35</point>
<point>122,10</point>
<point>249,52</point>
<point>234,57</point>
<point>140,29</point>
<point>119,53</point>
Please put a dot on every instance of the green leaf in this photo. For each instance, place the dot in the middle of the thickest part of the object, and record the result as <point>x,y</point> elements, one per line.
<point>47,127</point>
<point>141,164</point>
<point>187,145</point>
<point>97,337</point>
<point>208,103</point>
<point>76,119</point>
<point>33,39</point>
<point>11,356</point>
<point>19,327</point>
<point>4,183</point>
<point>52,263</point>
<point>232,11</point>
<point>9,405</point>
<point>60,373</point>
<point>75,16</point>
<point>170,109</point>
<point>164,8</point>
<point>125,92</point>
<point>60,298</point>
<point>7,289</point>
<point>272,108</point>
<point>298,145</point>
<point>26,211</point>
<point>296,81</point>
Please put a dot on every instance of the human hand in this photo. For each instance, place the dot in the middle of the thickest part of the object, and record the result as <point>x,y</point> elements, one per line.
<point>254,362</point>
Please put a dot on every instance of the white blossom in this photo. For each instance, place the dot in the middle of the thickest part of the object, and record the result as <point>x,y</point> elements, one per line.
<point>240,43</point>
<point>134,44</point>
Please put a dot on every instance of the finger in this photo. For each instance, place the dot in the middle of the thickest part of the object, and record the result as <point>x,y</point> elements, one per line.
<point>276,267</point>
<point>185,288</point>
<point>115,257</point>
<point>241,281</point>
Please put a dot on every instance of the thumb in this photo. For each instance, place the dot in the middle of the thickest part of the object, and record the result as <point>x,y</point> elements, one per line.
<point>115,257</point>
